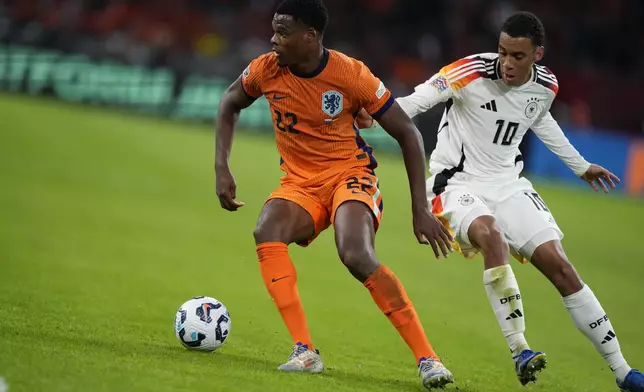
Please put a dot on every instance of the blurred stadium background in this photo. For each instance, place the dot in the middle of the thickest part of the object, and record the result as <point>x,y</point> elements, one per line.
<point>176,58</point>
<point>108,215</point>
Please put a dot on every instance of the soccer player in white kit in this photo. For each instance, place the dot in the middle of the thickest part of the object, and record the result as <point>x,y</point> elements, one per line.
<point>475,188</point>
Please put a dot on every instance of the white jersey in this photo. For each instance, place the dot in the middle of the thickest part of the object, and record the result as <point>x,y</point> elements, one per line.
<point>485,119</point>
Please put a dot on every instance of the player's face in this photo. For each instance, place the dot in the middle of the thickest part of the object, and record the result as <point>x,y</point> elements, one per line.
<point>516,56</point>
<point>291,40</point>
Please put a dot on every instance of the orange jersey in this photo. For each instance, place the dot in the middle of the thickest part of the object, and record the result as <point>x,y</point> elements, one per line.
<point>314,114</point>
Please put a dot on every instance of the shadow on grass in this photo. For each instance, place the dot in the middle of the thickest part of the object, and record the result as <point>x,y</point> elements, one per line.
<point>252,363</point>
<point>346,377</point>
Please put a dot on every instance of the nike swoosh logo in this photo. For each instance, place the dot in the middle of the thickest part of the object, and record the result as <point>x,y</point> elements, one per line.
<point>279,97</point>
<point>276,279</point>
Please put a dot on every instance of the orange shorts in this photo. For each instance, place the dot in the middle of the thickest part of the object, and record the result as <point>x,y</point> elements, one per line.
<point>322,201</point>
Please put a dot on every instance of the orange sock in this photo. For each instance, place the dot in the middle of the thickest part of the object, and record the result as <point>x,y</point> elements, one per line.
<point>390,296</point>
<point>280,279</point>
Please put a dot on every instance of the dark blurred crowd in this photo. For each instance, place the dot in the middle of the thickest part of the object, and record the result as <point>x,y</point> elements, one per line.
<point>595,47</point>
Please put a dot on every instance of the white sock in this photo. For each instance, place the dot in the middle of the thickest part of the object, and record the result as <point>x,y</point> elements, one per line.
<point>503,292</point>
<point>592,321</point>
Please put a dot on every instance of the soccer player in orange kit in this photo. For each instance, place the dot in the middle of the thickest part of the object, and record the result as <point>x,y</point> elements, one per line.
<point>315,95</point>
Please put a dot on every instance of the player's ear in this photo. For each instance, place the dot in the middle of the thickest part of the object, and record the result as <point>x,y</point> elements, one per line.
<point>312,34</point>
<point>538,55</point>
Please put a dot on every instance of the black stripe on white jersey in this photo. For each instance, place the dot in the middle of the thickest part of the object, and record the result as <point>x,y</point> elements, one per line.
<point>539,71</point>
<point>486,67</point>
<point>442,178</point>
<point>545,78</point>
<point>492,69</point>
<point>534,72</point>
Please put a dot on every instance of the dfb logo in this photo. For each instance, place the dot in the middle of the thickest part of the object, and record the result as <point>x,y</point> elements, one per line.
<point>599,322</point>
<point>510,299</point>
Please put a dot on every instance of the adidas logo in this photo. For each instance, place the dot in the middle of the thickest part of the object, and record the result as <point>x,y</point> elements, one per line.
<point>609,336</point>
<point>490,106</point>
<point>516,314</point>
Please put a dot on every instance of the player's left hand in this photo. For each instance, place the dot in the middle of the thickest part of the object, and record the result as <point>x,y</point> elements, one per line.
<point>598,176</point>
<point>429,230</point>
<point>227,190</point>
<point>364,120</point>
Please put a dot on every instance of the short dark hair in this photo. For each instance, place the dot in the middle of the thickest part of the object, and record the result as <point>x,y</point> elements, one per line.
<point>312,13</point>
<point>527,25</point>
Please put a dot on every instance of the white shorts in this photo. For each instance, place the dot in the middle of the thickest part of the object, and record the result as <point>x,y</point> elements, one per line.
<point>520,212</point>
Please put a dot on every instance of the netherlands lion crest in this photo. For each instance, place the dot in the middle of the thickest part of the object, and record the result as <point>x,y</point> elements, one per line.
<point>332,103</point>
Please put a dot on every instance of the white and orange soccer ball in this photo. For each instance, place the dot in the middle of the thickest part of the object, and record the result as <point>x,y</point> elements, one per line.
<point>202,323</point>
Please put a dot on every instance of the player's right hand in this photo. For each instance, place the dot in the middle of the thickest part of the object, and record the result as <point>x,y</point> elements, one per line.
<point>364,120</point>
<point>227,190</point>
<point>429,230</point>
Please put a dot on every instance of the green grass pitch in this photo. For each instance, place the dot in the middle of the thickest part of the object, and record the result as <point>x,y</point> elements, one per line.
<point>109,222</point>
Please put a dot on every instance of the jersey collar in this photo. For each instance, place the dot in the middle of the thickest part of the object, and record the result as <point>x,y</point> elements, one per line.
<point>318,70</point>
<point>497,74</point>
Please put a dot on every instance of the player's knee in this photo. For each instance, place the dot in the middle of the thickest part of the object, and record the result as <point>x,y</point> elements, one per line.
<point>353,256</point>
<point>260,235</point>
<point>359,260</point>
<point>488,236</point>
<point>264,233</point>
<point>565,277</point>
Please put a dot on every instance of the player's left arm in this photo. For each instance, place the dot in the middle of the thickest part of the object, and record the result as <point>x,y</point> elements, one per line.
<point>548,130</point>
<point>377,100</point>
<point>425,96</point>
<point>428,229</point>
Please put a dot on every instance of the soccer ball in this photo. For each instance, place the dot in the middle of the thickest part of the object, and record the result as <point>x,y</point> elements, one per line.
<point>202,323</point>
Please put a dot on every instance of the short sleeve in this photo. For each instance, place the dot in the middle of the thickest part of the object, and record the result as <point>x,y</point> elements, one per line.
<point>251,78</point>
<point>371,93</point>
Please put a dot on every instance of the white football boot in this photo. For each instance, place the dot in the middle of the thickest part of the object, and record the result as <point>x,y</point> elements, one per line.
<point>303,360</point>
<point>434,374</point>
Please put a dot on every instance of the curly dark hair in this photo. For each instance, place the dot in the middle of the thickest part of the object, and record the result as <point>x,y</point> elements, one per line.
<point>527,25</point>
<point>311,13</point>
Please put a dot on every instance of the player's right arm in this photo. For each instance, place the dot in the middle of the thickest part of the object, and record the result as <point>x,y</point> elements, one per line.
<point>426,95</point>
<point>239,95</point>
<point>441,87</point>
